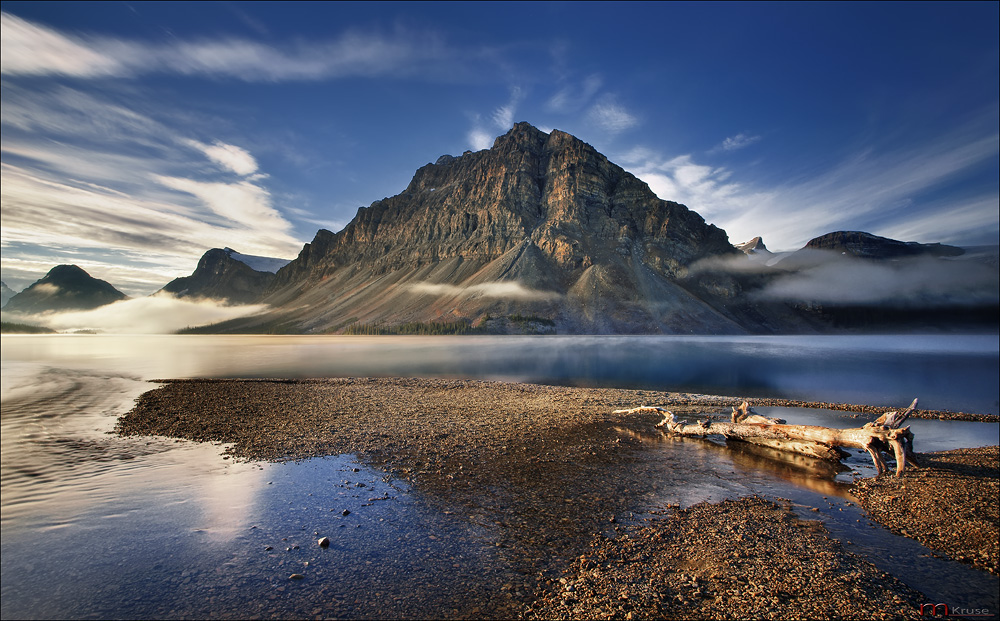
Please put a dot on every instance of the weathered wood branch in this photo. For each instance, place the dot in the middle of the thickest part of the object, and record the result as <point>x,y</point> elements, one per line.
<point>882,435</point>
<point>744,414</point>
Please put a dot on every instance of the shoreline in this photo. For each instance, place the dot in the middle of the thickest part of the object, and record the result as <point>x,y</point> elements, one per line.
<point>563,475</point>
<point>685,402</point>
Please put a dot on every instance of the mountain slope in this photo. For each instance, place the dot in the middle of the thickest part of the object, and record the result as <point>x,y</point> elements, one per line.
<point>65,287</point>
<point>541,225</point>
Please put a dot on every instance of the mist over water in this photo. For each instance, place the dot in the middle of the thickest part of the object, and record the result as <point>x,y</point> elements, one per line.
<point>947,372</point>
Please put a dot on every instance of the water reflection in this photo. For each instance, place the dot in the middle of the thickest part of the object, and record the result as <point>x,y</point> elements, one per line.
<point>957,372</point>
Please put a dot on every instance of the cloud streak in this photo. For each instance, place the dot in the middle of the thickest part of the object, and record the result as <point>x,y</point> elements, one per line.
<point>879,191</point>
<point>611,116</point>
<point>737,142</point>
<point>230,157</point>
<point>502,118</point>
<point>499,289</point>
<point>32,49</point>
<point>85,174</point>
<point>573,98</point>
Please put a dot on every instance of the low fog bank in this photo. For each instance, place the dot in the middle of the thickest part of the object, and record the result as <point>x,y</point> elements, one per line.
<point>509,290</point>
<point>823,277</point>
<point>157,314</point>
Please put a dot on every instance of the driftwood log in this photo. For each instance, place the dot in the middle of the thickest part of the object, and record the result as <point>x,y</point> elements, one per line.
<point>880,436</point>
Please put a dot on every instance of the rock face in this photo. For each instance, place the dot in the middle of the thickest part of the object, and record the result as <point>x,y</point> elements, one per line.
<point>540,225</point>
<point>65,287</point>
<point>221,276</point>
<point>868,246</point>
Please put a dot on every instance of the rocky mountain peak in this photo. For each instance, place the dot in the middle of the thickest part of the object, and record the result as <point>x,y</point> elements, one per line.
<point>553,190</point>
<point>754,246</point>
<point>222,274</point>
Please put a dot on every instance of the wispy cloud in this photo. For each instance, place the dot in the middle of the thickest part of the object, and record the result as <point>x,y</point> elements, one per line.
<point>82,172</point>
<point>503,117</point>
<point>500,289</point>
<point>231,157</point>
<point>881,191</point>
<point>737,142</point>
<point>242,204</point>
<point>35,49</point>
<point>481,136</point>
<point>479,139</point>
<point>575,97</point>
<point>977,214</point>
<point>611,116</point>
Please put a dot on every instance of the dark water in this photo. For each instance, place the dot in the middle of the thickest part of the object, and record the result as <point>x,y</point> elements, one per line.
<point>97,526</point>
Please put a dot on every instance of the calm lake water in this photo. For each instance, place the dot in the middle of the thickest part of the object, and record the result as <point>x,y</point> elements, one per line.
<point>100,526</point>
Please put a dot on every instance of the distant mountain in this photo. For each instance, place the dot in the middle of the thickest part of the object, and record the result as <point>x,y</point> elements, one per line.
<point>224,274</point>
<point>754,246</point>
<point>257,263</point>
<point>868,246</point>
<point>6,293</point>
<point>540,226</point>
<point>65,287</point>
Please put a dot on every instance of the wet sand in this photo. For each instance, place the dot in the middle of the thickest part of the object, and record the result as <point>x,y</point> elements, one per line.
<point>557,473</point>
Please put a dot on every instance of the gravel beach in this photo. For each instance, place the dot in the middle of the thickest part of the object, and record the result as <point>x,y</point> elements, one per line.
<point>556,474</point>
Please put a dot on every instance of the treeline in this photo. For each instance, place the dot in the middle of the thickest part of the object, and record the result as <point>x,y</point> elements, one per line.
<point>527,324</point>
<point>520,319</point>
<point>7,327</point>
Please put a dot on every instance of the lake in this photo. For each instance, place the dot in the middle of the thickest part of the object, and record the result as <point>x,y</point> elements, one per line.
<point>100,526</point>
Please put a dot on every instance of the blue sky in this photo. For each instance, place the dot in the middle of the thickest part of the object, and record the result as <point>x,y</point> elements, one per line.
<point>137,136</point>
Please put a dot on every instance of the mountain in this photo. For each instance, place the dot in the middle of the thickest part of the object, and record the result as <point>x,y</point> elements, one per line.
<point>224,274</point>
<point>258,263</point>
<point>6,293</point>
<point>868,246</point>
<point>65,287</point>
<point>754,247</point>
<point>541,231</point>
